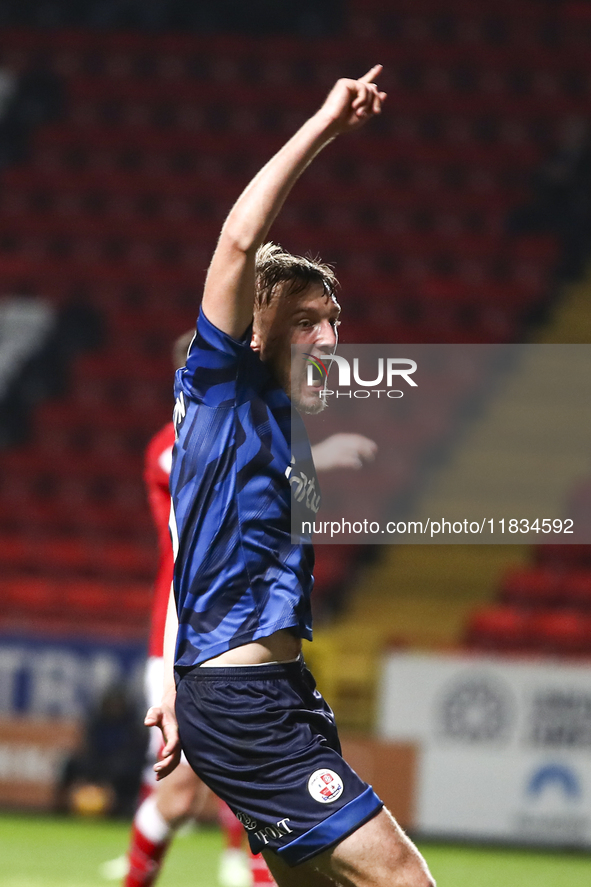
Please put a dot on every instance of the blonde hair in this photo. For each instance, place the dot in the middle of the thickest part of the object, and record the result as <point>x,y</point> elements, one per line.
<point>274,266</point>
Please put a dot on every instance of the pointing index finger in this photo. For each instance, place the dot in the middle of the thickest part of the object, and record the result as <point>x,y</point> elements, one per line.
<point>371,74</point>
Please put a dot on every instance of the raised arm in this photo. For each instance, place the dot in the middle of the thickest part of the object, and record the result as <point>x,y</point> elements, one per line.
<point>228,297</point>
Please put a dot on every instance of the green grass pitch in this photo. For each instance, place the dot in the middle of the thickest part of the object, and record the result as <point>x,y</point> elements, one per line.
<point>40,851</point>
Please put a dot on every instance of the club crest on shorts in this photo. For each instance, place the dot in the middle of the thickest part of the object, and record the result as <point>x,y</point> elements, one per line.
<point>325,786</point>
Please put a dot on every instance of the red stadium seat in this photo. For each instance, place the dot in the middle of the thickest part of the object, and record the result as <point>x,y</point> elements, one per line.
<point>500,629</point>
<point>563,556</point>
<point>531,587</point>
<point>563,633</point>
<point>577,589</point>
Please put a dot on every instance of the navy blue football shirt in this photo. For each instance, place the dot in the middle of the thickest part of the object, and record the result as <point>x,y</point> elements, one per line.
<point>238,576</point>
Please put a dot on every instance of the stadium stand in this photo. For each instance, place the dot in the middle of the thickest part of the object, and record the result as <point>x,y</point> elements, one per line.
<point>544,606</point>
<point>119,202</point>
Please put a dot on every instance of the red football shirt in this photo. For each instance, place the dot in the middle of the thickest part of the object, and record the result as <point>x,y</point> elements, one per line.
<point>156,475</point>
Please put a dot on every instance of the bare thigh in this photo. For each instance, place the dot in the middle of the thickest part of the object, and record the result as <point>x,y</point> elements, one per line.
<point>180,796</point>
<point>378,854</point>
<point>304,875</point>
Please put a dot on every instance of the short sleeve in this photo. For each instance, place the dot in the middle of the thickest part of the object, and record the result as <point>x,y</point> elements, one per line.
<point>213,364</point>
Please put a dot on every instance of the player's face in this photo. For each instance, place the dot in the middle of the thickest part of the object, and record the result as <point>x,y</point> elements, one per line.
<point>308,319</point>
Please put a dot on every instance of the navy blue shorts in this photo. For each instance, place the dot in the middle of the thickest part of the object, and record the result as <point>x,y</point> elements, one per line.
<point>265,741</point>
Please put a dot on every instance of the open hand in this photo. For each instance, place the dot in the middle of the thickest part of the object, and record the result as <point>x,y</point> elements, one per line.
<point>162,716</point>
<point>343,450</point>
<point>351,103</point>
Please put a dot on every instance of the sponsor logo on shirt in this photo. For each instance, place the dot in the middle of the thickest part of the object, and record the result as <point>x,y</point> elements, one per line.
<point>303,488</point>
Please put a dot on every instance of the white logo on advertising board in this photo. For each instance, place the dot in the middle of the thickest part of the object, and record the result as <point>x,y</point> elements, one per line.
<point>476,709</point>
<point>553,811</point>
